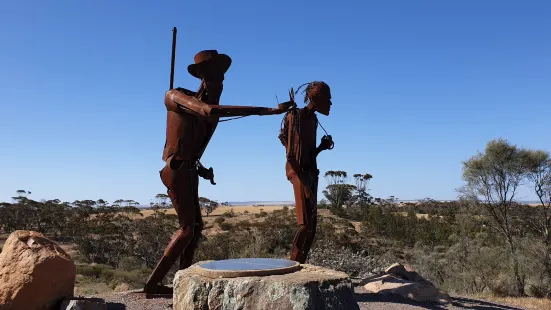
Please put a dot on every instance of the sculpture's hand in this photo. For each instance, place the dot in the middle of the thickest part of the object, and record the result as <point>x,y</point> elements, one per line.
<point>327,143</point>
<point>281,108</point>
<point>207,174</point>
<point>210,176</point>
<point>285,106</point>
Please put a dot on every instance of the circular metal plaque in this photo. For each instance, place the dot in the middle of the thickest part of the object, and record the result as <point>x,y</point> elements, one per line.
<point>243,267</point>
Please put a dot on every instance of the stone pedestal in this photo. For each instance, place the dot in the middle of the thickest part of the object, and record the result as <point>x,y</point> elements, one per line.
<point>307,287</point>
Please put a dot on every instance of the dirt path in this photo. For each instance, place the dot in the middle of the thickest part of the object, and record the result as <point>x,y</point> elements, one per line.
<point>366,301</point>
<point>135,301</point>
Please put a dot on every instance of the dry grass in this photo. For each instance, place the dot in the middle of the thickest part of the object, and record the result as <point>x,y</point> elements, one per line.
<point>530,303</point>
<point>210,227</point>
<point>419,215</point>
<point>85,287</point>
<point>221,210</point>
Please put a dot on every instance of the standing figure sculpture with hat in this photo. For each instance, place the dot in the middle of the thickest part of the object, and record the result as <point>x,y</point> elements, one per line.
<point>298,135</point>
<point>192,118</point>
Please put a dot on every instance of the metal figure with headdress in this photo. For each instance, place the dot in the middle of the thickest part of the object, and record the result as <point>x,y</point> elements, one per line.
<point>298,135</point>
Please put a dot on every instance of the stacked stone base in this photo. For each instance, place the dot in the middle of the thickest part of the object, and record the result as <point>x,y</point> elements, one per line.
<point>311,287</point>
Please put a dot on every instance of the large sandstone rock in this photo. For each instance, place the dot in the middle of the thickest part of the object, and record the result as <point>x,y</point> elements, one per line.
<point>396,282</point>
<point>35,273</point>
<point>311,287</point>
<point>407,273</point>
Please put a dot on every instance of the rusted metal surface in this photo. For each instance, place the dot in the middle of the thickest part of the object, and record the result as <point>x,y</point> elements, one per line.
<point>173,58</point>
<point>192,118</point>
<point>298,135</point>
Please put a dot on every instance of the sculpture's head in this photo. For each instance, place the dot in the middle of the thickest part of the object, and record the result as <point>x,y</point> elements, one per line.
<point>210,67</point>
<point>319,95</point>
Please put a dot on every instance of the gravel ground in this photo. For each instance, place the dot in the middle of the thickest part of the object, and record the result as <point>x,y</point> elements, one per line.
<point>366,301</point>
<point>135,301</point>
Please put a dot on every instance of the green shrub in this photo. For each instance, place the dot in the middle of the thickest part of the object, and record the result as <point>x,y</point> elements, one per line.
<point>113,277</point>
<point>219,220</point>
<point>539,291</point>
<point>129,263</point>
<point>92,271</point>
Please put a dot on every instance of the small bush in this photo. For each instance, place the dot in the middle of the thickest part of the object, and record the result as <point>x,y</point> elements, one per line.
<point>229,214</point>
<point>219,220</point>
<point>358,265</point>
<point>225,226</point>
<point>538,291</point>
<point>113,277</point>
<point>92,271</point>
<point>129,263</point>
<point>243,224</point>
<point>261,214</point>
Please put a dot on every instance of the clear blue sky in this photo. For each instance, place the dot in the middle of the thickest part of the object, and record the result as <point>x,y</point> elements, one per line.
<point>418,87</point>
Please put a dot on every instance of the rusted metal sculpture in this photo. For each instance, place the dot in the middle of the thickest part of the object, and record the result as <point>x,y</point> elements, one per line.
<point>192,118</point>
<point>298,135</point>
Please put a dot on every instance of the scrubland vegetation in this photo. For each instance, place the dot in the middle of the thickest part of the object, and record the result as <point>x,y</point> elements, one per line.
<point>484,243</point>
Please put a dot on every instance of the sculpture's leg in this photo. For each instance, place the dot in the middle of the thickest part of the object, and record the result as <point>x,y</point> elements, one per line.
<point>187,257</point>
<point>306,210</point>
<point>181,181</point>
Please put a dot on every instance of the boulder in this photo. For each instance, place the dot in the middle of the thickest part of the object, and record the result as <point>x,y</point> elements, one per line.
<point>392,284</point>
<point>407,273</point>
<point>35,273</point>
<point>311,287</point>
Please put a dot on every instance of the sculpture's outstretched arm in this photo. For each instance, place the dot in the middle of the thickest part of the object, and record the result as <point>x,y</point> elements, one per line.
<point>181,103</point>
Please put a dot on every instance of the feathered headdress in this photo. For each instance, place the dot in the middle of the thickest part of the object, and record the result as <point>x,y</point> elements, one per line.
<point>313,88</point>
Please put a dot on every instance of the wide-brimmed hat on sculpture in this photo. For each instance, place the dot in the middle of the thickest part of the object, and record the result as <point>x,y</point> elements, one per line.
<point>209,57</point>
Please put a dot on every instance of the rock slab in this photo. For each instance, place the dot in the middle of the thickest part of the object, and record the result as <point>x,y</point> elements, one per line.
<point>83,304</point>
<point>311,287</point>
<point>35,273</point>
<point>404,281</point>
<point>407,273</point>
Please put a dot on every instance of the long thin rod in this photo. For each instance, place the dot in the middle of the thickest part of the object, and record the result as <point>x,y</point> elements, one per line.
<point>174,31</point>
